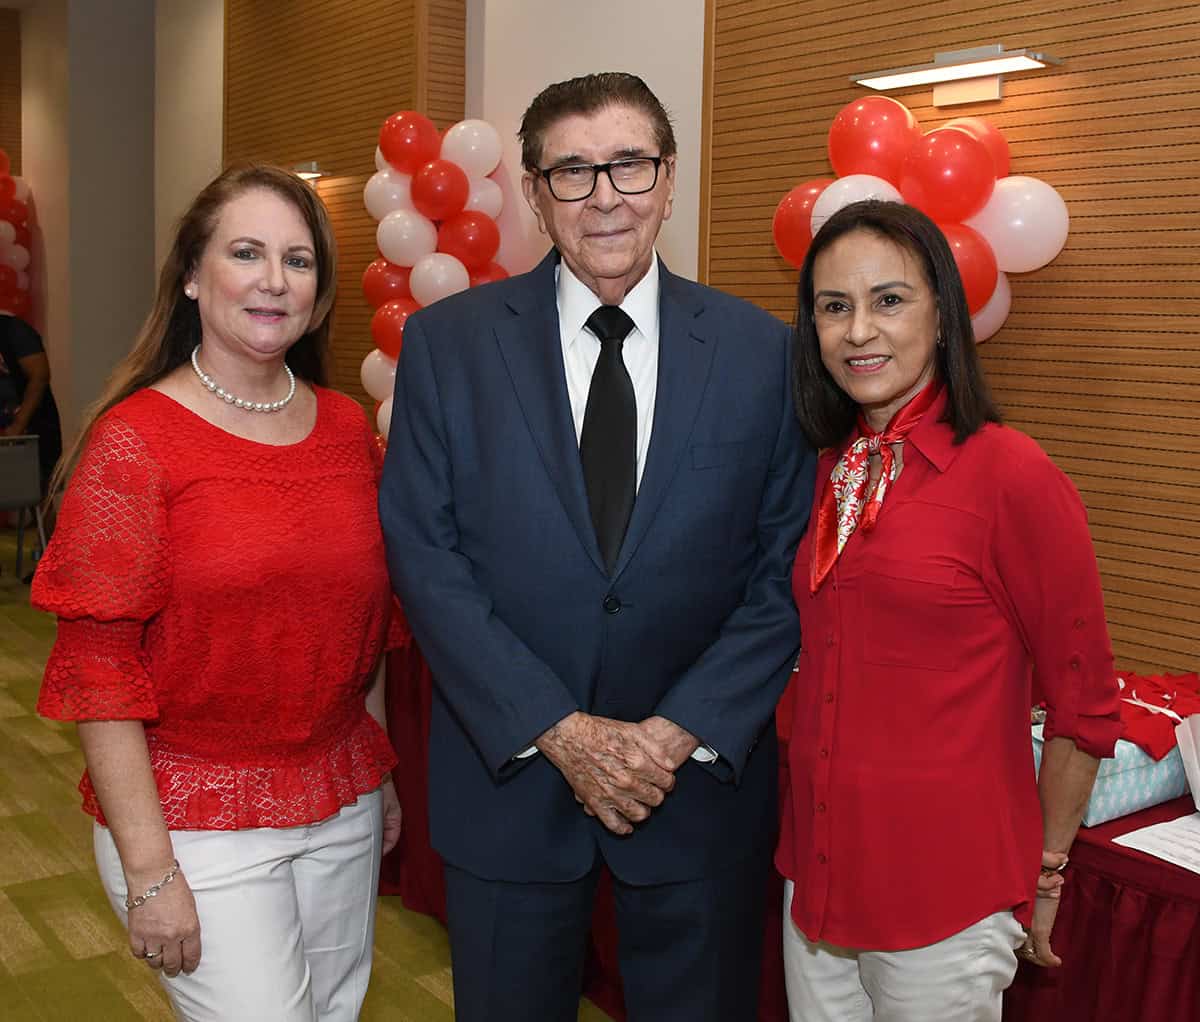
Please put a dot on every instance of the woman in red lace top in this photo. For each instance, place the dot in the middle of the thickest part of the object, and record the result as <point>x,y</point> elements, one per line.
<point>218,576</point>
<point>947,575</point>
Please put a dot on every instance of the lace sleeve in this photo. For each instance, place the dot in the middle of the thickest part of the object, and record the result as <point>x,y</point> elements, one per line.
<point>105,573</point>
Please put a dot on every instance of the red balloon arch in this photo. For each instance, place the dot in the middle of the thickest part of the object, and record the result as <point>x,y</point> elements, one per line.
<point>958,175</point>
<point>15,241</point>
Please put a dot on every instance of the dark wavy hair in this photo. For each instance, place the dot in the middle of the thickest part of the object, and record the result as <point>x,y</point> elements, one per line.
<point>586,95</point>
<point>172,329</point>
<point>826,412</point>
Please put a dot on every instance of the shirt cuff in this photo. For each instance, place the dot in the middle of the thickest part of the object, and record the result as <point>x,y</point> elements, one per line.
<point>531,751</point>
<point>705,754</point>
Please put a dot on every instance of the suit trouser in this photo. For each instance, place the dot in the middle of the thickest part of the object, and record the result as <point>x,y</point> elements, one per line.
<point>287,916</point>
<point>959,979</point>
<point>689,951</point>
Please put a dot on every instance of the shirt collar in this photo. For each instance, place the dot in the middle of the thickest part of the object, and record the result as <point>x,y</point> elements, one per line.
<point>577,301</point>
<point>932,437</point>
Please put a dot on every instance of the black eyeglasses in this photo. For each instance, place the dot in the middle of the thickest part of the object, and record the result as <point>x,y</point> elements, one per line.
<point>576,181</point>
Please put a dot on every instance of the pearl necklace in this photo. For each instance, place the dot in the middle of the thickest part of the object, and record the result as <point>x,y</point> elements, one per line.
<point>251,406</point>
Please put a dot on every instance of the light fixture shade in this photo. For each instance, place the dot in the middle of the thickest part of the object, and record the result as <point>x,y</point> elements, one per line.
<point>957,65</point>
<point>308,170</point>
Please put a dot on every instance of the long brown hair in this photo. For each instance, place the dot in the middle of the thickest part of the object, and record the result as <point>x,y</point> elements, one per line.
<point>173,329</point>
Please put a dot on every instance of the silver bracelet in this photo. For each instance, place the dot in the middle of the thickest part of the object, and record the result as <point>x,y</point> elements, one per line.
<point>153,889</point>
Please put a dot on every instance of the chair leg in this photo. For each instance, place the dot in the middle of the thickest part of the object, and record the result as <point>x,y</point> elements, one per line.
<point>41,530</point>
<point>20,540</point>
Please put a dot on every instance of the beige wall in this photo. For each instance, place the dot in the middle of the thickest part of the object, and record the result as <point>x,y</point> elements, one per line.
<point>188,100</point>
<point>517,47</point>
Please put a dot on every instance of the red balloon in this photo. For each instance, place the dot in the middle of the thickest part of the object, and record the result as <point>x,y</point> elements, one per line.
<point>408,139</point>
<point>491,272</point>
<point>440,189</point>
<point>872,135</point>
<point>8,188</point>
<point>387,325</point>
<point>14,211</point>
<point>987,133</point>
<point>18,303</point>
<point>976,263</point>
<point>471,237</point>
<point>5,163</point>
<point>384,282</point>
<point>948,175</point>
<point>8,279</point>
<point>792,226</point>
<point>23,238</point>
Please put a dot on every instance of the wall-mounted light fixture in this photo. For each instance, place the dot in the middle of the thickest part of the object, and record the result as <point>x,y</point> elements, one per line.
<point>960,76</point>
<point>309,171</point>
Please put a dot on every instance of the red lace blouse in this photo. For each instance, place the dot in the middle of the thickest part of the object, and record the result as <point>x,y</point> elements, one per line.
<point>234,596</point>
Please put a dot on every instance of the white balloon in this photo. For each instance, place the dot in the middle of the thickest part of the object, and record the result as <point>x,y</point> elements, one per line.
<point>485,196</point>
<point>22,280</point>
<point>404,236</point>
<point>8,234</point>
<point>474,145</point>
<point>991,317</point>
<point>378,375</point>
<point>1025,221</point>
<point>381,162</point>
<point>16,256</point>
<point>383,418</point>
<point>848,189</point>
<point>386,191</point>
<point>437,276</point>
<point>22,192</point>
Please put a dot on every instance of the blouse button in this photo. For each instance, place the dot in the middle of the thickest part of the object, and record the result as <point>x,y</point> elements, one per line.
<point>1074,663</point>
<point>821,858</point>
<point>829,639</point>
<point>820,807</point>
<point>824,753</point>
<point>1079,622</point>
<point>829,697</point>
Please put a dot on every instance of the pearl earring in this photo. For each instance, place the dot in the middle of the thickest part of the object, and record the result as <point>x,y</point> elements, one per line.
<point>190,290</point>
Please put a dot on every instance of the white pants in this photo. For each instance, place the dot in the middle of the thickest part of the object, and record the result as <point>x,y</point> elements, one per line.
<point>959,979</point>
<point>287,916</point>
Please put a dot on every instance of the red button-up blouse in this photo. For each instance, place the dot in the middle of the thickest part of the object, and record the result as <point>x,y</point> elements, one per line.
<point>913,810</point>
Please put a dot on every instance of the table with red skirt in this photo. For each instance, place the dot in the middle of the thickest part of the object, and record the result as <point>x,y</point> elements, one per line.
<point>1128,929</point>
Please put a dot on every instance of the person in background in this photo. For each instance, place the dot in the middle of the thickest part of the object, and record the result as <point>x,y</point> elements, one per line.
<point>26,401</point>
<point>223,607</point>
<point>948,582</point>
<point>594,489</point>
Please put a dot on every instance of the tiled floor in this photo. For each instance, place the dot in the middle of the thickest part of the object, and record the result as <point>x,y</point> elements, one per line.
<point>62,951</point>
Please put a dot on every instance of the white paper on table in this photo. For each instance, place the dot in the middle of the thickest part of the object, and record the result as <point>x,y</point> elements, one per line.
<point>1176,841</point>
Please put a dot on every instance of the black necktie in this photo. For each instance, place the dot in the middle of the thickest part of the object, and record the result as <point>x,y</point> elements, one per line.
<point>608,445</point>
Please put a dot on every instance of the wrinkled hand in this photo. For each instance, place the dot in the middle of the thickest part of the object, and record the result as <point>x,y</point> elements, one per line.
<point>166,924</point>
<point>392,816</point>
<point>1036,950</point>
<point>616,770</point>
<point>677,743</point>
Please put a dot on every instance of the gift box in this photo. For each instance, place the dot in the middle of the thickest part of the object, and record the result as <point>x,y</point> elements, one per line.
<point>1130,781</point>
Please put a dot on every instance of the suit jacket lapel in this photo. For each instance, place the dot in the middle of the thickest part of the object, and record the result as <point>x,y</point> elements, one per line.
<point>685,355</point>
<point>531,345</point>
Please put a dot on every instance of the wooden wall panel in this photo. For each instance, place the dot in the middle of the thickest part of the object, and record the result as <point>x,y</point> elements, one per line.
<point>315,85</point>
<point>10,86</point>
<point>1100,358</point>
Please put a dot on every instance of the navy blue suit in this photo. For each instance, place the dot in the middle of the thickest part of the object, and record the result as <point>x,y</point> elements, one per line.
<point>492,551</point>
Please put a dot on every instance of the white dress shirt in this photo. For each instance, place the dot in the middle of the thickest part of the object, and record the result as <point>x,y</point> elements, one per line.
<point>581,351</point>
<point>581,348</point>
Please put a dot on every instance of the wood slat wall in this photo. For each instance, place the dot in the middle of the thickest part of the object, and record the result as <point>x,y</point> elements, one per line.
<point>10,86</point>
<point>1100,357</point>
<point>315,85</point>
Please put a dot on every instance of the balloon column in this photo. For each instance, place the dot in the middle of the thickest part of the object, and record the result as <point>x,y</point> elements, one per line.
<point>14,241</point>
<point>956,174</point>
<point>436,206</point>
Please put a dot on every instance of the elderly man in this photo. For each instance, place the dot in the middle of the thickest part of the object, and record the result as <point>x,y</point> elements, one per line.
<point>593,494</point>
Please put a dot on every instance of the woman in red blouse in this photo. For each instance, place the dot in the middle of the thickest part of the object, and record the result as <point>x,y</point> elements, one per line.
<point>223,606</point>
<point>947,583</point>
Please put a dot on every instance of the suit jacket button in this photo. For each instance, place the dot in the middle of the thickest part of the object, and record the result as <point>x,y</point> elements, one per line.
<point>612,605</point>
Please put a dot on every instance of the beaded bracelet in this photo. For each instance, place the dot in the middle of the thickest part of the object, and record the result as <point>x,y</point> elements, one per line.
<point>153,889</point>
